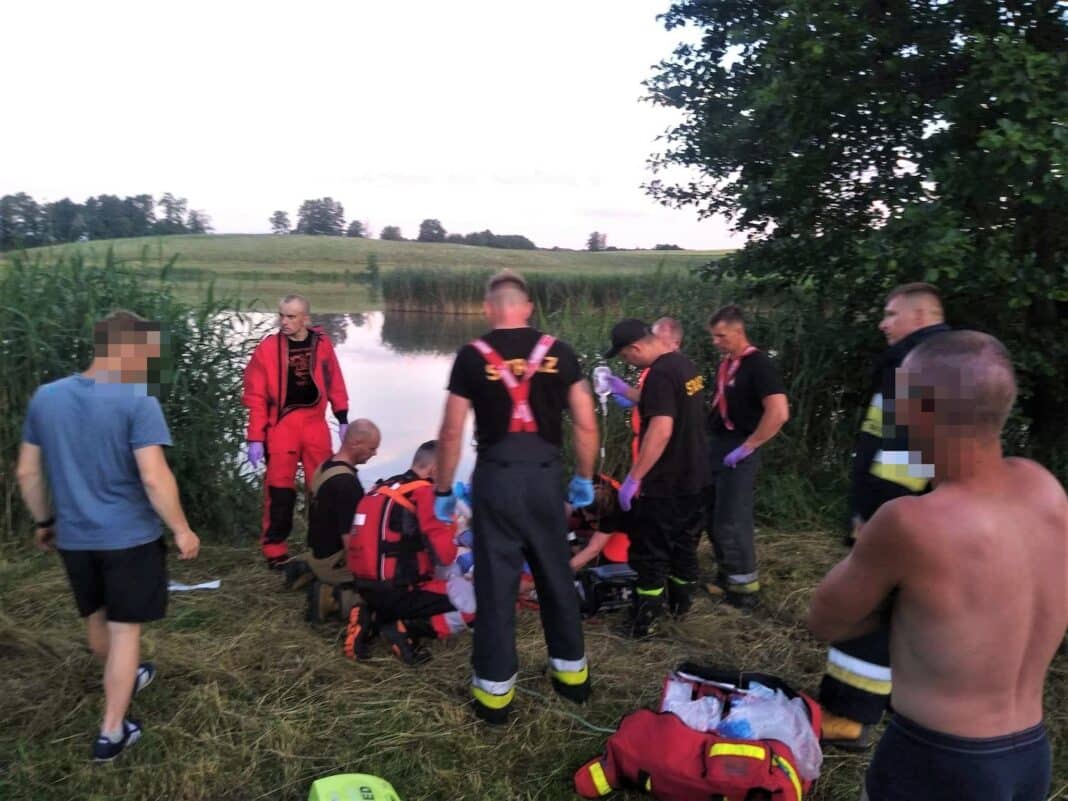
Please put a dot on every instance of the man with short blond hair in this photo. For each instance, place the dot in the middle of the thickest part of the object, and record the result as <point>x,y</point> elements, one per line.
<point>94,442</point>
<point>969,663</point>
<point>291,377</point>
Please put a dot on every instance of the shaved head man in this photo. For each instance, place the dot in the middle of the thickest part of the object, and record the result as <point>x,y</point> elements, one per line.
<point>973,579</point>
<point>909,308</point>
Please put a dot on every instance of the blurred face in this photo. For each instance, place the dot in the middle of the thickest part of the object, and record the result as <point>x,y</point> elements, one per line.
<point>135,354</point>
<point>663,333</point>
<point>729,338</point>
<point>639,354</point>
<point>901,317</point>
<point>293,319</point>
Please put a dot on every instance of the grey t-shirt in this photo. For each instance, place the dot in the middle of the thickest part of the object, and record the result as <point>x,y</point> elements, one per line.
<point>88,432</point>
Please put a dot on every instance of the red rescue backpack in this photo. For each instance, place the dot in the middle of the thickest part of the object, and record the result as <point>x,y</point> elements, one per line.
<point>386,546</point>
<point>657,752</point>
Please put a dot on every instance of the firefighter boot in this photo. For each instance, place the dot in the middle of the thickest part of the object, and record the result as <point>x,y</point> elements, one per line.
<point>574,685</point>
<point>644,614</point>
<point>680,597</point>
<point>402,645</point>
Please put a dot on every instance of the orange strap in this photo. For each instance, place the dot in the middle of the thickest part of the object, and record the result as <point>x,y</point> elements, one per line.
<point>400,494</point>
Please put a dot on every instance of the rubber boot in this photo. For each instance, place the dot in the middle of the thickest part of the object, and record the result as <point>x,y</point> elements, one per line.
<point>680,597</point>
<point>643,617</point>
<point>358,633</point>
<point>575,693</point>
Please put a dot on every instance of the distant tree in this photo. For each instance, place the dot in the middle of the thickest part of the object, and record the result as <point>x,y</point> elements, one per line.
<point>174,211</point>
<point>106,218</point>
<point>391,233</point>
<point>455,239</point>
<point>198,222</point>
<point>431,231</point>
<point>512,242</point>
<point>356,229</point>
<point>667,247</point>
<point>65,220</point>
<point>596,241</point>
<point>322,217</point>
<point>479,238</point>
<point>140,213</point>
<point>22,222</point>
<point>279,223</point>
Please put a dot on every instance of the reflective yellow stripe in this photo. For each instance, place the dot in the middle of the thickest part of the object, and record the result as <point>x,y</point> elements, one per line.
<point>572,677</point>
<point>788,769</point>
<point>600,781</point>
<point>493,701</point>
<point>873,686</point>
<point>899,474</point>
<point>649,785</point>
<point>657,591</point>
<point>748,587</point>
<point>873,419</point>
<point>737,749</point>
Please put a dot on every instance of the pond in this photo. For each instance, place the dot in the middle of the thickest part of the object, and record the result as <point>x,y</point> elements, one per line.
<point>396,367</point>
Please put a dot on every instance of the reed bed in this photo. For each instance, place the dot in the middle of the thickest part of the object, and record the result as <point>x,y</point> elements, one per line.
<point>50,308</point>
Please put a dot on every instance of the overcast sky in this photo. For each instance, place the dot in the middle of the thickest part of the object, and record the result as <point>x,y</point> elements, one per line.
<point>518,117</point>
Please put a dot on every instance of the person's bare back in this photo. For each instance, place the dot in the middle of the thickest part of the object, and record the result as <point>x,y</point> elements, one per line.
<point>983,604</point>
<point>973,579</point>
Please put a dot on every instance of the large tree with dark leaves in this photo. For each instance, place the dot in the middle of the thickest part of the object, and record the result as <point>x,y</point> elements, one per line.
<point>860,145</point>
<point>321,217</point>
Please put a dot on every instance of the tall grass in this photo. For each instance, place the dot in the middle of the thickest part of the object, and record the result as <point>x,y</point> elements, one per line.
<point>49,310</point>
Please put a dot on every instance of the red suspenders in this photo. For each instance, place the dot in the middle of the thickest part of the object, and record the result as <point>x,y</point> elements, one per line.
<point>518,389</point>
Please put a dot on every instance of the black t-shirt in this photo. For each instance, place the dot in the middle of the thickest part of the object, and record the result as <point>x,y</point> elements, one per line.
<point>757,377</point>
<point>332,510</point>
<point>476,379</point>
<point>674,388</point>
<point>300,388</point>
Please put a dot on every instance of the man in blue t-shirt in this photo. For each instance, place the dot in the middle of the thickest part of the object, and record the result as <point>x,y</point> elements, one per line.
<point>93,441</point>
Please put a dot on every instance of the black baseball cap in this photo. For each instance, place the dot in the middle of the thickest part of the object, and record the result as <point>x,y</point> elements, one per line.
<point>627,332</point>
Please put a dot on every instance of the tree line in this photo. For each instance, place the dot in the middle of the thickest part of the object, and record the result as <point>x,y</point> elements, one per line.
<point>326,217</point>
<point>25,223</point>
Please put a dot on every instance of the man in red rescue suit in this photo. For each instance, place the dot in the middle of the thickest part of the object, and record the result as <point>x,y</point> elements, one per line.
<point>856,686</point>
<point>397,552</point>
<point>288,382</point>
<point>519,382</point>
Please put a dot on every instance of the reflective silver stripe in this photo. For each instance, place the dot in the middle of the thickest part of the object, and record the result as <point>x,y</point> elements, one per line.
<point>494,687</point>
<point>858,666</point>
<point>743,578</point>
<point>567,665</point>
<point>455,621</point>
<point>912,461</point>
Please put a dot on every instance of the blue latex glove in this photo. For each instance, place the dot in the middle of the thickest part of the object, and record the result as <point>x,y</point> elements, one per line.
<point>580,492</point>
<point>341,429</point>
<point>465,538</point>
<point>617,385</point>
<point>465,561</point>
<point>255,454</point>
<point>462,492</point>
<point>743,451</point>
<point>445,507</point>
<point>622,401</point>
<point>628,491</point>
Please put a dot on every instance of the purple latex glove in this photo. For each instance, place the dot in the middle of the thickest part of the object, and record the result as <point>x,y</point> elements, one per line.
<point>628,491</point>
<point>341,429</point>
<point>255,454</point>
<point>743,451</point>
<point>618,385</point>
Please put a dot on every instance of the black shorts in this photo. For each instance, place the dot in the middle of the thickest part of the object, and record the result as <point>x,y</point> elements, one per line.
<point>130,584</point>
<point>913,763</point>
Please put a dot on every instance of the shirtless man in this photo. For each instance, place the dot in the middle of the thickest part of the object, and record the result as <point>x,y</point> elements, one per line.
<point>969,664</point>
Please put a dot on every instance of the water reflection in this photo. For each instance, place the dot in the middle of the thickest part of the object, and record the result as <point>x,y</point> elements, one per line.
<point>396,369</point>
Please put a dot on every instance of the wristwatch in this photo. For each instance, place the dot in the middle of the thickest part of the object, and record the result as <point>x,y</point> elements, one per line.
<point>45,523</point>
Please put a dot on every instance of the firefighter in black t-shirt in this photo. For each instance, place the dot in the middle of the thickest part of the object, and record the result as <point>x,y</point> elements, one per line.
<point>667,479</point>
<point>519,382</point>
<point>748,409</point>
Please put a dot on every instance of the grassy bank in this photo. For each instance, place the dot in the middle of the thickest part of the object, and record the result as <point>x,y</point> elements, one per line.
<point>235,253</point>
<point>252,703</point>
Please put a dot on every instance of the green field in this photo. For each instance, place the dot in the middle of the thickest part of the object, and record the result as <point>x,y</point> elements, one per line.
<point>331,271</point>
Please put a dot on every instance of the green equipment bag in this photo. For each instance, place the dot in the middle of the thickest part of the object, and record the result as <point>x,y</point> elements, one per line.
<point>352,787</point>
